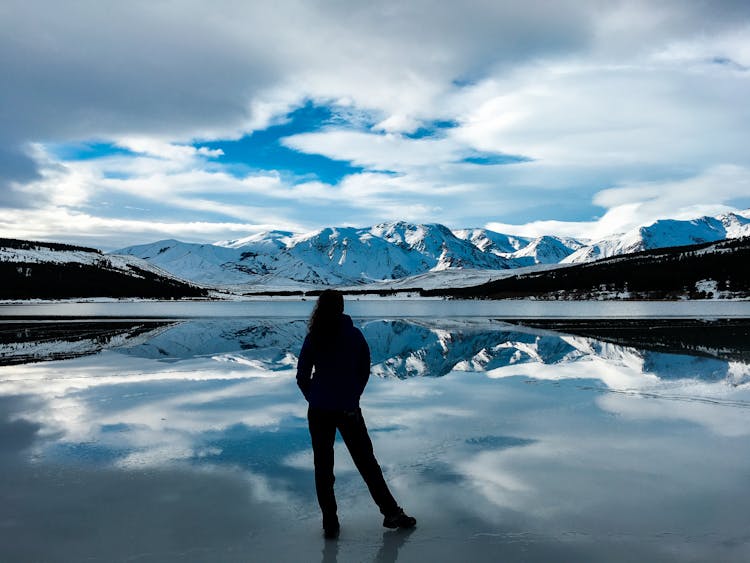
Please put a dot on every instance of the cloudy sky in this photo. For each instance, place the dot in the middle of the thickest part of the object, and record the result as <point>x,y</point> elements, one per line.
<point>128,122</point>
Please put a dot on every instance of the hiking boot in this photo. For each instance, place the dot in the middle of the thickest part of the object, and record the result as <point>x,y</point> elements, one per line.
<point>331,529</point>
<point>399,520</point>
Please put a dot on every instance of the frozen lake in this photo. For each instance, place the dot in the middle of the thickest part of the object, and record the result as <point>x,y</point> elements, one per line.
<point>186,440</point>
<point>382,308</point>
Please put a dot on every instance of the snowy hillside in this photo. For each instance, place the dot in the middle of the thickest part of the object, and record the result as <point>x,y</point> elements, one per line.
<point>51,270</point>
<point>42,253</point>
<point>664,233</point>
<point>202,263</point>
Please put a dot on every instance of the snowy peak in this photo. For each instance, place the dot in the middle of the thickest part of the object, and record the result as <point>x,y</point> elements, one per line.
<point>266,240</point>
<point>735,224</point>
<point>546,250</point>
<point>354,255</point>
<point>492,242</point>
<point>390,250</point>
<point>670,232</point>
<point>429,240</point>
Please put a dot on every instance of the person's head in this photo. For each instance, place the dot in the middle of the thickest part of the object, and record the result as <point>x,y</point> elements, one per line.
<point>325,321</point>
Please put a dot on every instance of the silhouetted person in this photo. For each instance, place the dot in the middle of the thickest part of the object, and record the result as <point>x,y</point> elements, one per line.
<point>333,369</point>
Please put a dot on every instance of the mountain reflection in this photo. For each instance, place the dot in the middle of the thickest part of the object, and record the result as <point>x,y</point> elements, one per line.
<point>23,343</point>
<point>406,348</point>
<point>433,348</point>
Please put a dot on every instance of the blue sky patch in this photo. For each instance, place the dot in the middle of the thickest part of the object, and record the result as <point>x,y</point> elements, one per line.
<point>86,151</point>
<point>490,159</point>
<point>432,129</point>
<point>115,175</point>
<point>263,150</point>
<point>727,62</point>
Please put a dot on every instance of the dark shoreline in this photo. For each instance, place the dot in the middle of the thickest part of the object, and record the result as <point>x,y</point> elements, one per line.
<point>722,338</point>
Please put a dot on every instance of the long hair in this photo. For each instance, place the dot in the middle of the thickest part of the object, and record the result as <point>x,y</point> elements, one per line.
<point>325,321</point>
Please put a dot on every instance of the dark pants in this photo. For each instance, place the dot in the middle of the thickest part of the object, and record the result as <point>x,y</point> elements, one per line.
<point>351,425</point>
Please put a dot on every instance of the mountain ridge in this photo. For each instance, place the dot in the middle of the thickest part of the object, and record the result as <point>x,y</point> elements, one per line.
<point>391,251</point>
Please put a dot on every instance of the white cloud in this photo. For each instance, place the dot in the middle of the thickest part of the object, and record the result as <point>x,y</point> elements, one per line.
<point>110,233</point>
<point>633,116</point>
<point>731,48</point>
<point>640,204</point>
<point>164,149</point>
<point>646,125</point>
<point>377,151</point>
<point>723,183</point>
<point>627,109</point>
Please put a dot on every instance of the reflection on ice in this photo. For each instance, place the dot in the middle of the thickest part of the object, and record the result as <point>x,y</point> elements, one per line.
<point>399,348</point>
<point>22,343</point>
<point>188,440</point>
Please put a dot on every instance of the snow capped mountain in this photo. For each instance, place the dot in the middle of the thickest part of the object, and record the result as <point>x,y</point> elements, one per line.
<point>521,251</point>
<point>330,256</point>
<point>397,250</point>
<point>356,255</point>
<point>663,233</point>
<point>736,224</point>
<point>438,245</point>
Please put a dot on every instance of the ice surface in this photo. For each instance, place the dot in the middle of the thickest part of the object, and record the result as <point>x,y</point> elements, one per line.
<point>189,442</point>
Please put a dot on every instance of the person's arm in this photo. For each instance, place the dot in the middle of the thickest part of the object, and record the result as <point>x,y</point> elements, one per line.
<point>304,367</point>
<point>364,363</point>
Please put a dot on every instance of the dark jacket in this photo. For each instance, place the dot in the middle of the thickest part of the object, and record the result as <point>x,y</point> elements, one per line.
<point>341,369</point>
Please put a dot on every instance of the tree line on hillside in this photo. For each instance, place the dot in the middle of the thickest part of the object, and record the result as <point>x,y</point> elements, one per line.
<point>22,280</point>
<point>36,245</point>
<point>701,271</point>
<point>724,339</point>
